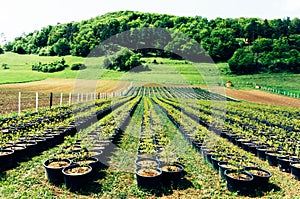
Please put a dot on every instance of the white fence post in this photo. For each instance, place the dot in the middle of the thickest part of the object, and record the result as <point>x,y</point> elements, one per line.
<point>19,105</point>
<point>36,101</point>
<point>70,98</point>
<point>61,95</point>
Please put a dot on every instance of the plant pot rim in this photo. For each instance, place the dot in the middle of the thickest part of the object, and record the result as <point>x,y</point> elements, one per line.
<point>284,158</point>
<point>15,145</point>
<point>295,162</point>
<point>227,171</point>
<point>275,154</point>
<point>258,169</point>
<point>180,166</point>
<point>6,150</point>
<point>54,159</point>
<point>155,169</point>
<point>74,160</point>
<point>76,174</point>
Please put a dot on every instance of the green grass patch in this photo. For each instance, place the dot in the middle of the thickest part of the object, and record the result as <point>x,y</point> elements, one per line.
<point>166,71</point>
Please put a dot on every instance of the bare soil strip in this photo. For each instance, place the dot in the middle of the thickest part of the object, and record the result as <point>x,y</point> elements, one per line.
<point>9,92</point>
<point>263,97</point>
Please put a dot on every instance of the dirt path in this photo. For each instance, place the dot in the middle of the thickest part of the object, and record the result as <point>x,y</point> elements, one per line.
<point>262,97</point>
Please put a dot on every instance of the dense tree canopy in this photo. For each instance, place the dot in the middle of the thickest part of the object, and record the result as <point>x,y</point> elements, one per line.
<point>273,44</point>
<point>1,50</point>
<point>123,60</point>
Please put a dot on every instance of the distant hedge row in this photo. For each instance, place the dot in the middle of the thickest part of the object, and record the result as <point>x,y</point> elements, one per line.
<point>50,67</point>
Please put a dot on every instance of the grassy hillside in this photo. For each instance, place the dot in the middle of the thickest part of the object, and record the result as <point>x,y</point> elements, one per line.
<point>20,68</point>
<point>167,71</point>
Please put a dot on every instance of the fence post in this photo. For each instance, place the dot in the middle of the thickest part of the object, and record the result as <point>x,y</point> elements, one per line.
<point>60,102</point>
<point>51,99</point>
<point>36,101</point>
<point>70,98</point>
<point>19,104</point>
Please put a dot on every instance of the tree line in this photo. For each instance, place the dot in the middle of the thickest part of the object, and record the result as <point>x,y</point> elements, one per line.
<point>249,45</point>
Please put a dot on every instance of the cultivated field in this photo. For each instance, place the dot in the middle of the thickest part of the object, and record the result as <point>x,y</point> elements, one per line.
<point>166,125</point>
<point>189,136</point>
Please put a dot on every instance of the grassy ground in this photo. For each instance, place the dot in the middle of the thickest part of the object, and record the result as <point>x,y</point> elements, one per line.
<point>167,71</point>
<point>27,180</point>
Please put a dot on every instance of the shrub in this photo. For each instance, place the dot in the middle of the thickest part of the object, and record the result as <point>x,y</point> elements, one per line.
<point>123,60</point>
<point>50,67</point>
<point>4,66</point>
<point>78,66</point>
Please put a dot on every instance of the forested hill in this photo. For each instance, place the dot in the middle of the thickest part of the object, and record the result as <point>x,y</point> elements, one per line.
<point>248,44</point>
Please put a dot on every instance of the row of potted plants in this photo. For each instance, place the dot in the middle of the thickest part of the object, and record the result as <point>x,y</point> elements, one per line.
<point>232,167</point>
<point>157,160</point>
<point>20,145</point>
<point>84,155</point>
<point>283,152</point>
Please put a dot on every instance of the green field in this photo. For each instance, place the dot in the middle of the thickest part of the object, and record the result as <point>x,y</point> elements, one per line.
<point>167,71</point>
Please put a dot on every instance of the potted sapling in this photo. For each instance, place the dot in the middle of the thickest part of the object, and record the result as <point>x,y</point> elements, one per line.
<point>6,154</point>
<point>77,175</point>
<point>84,157</point>
<point>295,165</point>
<point>148,177</point>
<point>172,170</point>
<point>148,173</point>
<point>260,176</point>
<point>53,169</point>
<point>238,179</point>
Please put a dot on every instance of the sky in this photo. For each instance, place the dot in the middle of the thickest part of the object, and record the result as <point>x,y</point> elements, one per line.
<point>24,16</point>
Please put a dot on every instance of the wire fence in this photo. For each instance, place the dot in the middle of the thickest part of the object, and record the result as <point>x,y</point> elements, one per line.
<point>268,89</point>
<point>18,102</point>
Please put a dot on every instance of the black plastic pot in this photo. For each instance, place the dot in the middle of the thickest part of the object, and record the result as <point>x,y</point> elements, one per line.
<point>6,160</point>
<point>241,185</point>
<point>172,176</point>
<point>41,144</point>
<point>204,152</point>
<point>197,144</point>
<point>59,136</point>
<point>245,145</point>
<point>49,140</point>
<point>55,175</point>
<point>284,164</point>
<point>232,139</point>
<point>295,170</point>
<point>56,137</point>
<point>252,148</point>
<point>76,181</point>
<point>259,180</point>
<point>19,152</point>
<point>148,182</point>
<point>223,134</point>
<point>30,149</point>
<point>239,140</point>
<point>215,162</point>
<point>94,164</point>
<point>208,156</point>
<point>271,157</point>
<point>261,152</point>
<point>223,166</point>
